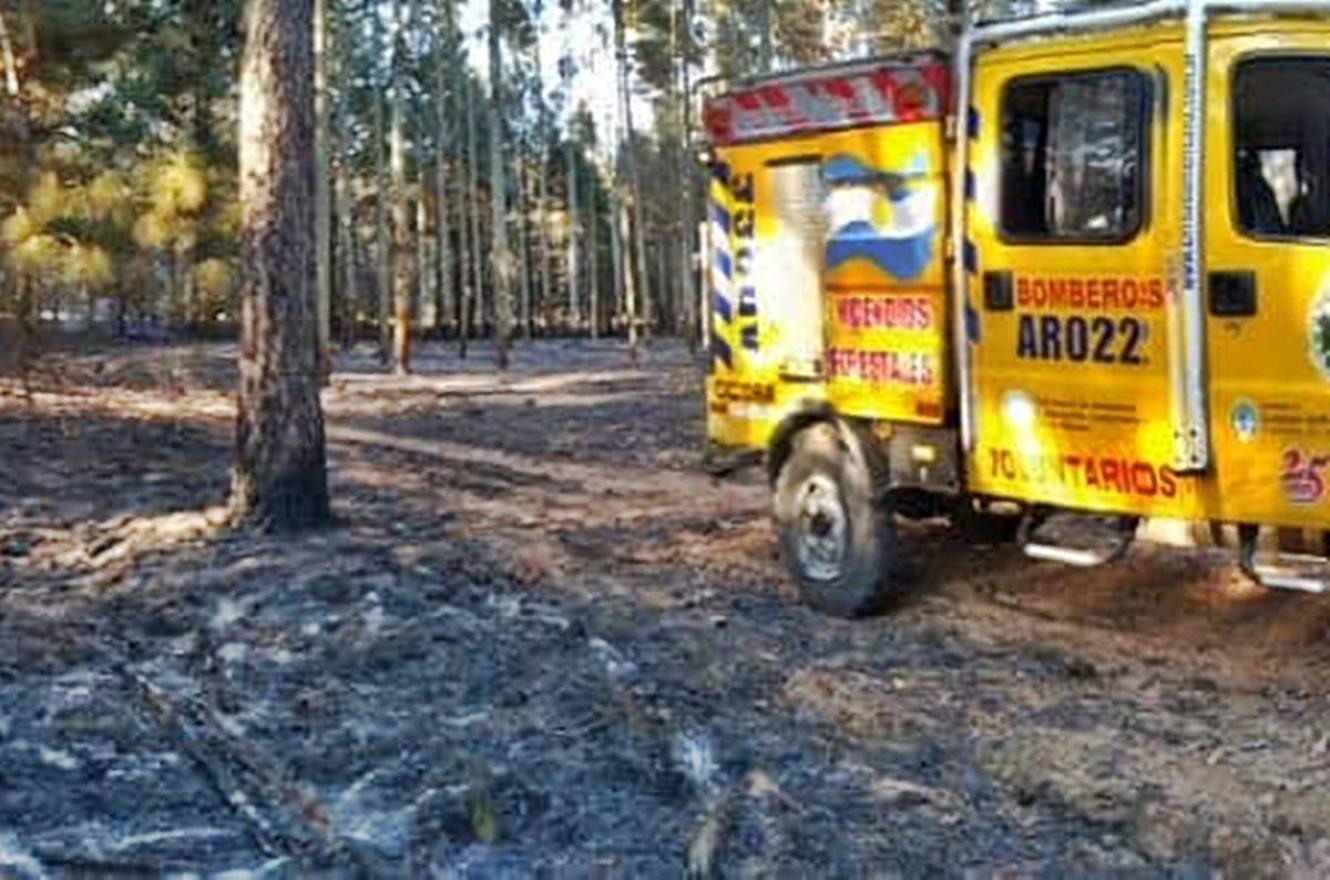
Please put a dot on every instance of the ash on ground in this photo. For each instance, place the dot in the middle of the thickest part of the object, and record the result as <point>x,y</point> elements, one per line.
<point>542,641</point>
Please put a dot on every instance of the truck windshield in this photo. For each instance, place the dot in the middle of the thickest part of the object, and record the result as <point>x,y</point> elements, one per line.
<point>1282,146</point>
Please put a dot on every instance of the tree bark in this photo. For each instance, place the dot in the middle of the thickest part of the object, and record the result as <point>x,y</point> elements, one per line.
<point>382,257</point>
<point>687,209</point>
<point>280,479</point>
<point>574,222</point>
<point>593,260</point>
<point>323,184</point>
<point>465,295</point>
<point>633,200</point>
<point>403,251</point>
<point>444,288</point>
<point>476,300</point>
<point>523,247</point>
<point>346,207</point>
<point>542,163</point>
<point>501,252</point>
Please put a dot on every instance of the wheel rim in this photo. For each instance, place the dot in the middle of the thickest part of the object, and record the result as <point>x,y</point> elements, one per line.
<point>822,529</point>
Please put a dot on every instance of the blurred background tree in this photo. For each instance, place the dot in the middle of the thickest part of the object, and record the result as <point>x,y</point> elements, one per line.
<point>495,168</point>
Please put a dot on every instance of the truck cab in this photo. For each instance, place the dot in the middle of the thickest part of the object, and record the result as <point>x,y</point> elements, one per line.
<point>1081,264</point>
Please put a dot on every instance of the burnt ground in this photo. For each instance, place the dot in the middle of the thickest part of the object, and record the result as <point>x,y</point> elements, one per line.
<point>543,642</point>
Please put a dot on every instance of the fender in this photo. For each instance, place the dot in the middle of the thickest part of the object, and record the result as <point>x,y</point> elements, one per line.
<point>855,438</point>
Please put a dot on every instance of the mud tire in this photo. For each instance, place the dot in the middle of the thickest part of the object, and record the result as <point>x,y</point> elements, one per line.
<point>836,538</point>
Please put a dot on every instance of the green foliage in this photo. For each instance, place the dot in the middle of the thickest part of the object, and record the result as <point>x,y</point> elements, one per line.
<point>122,144</point>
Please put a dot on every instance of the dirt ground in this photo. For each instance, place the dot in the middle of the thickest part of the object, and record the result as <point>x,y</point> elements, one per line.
<point>543,642</point>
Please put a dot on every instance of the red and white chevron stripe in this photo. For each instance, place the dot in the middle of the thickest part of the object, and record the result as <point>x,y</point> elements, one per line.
<point>804,103</point>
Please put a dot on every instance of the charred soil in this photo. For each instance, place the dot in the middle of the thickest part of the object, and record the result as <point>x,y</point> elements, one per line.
<point>543,641</point>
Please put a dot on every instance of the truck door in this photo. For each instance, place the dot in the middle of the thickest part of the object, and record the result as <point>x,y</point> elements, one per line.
<point>1268,264</point>
<point>1073,226</point>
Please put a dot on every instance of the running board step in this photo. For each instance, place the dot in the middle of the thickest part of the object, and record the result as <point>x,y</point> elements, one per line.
<point>1077,557</point>
<point>1302,572</point>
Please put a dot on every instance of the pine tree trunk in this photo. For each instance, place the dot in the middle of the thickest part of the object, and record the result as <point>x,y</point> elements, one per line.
<point>633,199</point>
<point>629,282</point>
<point>280,479</point>
<point>346,209</point>
<point>382,247</point>
<point>444,289</point>
<point>502,263</point>
<point>574,221</point>
<point>322,184</point>
<point>764,59</point>
<point>593,261</point>
<point>403,252</point>
<point>476,305</point>
<point>346,250</point>
<point>542,164</point>
<point>465,295</point>
<point>423,280</point>
<point>571,187</point>
<point>523,249</point>
<point>687,209</point>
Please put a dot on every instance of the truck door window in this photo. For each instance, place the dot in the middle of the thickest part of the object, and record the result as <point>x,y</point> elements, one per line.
<point>1282,146</point>
<point>1073,156</point>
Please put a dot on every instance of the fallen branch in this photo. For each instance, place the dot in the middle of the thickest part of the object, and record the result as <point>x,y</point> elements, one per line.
<point>283,819</point>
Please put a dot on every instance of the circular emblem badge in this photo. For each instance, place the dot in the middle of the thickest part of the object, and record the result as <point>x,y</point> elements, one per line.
<point>1245,420</point>
<point>1319,331</point>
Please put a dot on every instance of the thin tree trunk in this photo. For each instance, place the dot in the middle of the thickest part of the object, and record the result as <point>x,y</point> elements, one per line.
<point>382,246</point>
<point>687,209</point>
<point>662,284</point>
<point>444,289</point>
<point>280,479</point>
<point>571,177</point>
<point>574,221</point>
<point>476,305</point>
<point>403,255</point>
<point>424,281</point>
<point>593,260</point>
<point>502,262</point>
<point>466,295</point>
<point>624,200</point>
<point>523,249</point>
<point>346,250</point>
<point>633,199</point>
<point>764,36</point>
<point>616,259</point>
<point>322,184</point>
<point>629,282</point>
<point>346,208</point>
<point>542,163</point>
<point>10,60</point>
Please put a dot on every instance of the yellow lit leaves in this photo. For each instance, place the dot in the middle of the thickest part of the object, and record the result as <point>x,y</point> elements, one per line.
<point>87,267</point>
<point>179,185</point>
<point>107,195</point>
<point>18,228</point>
<point>47,200</point>
<point>36,254</point>
<point>214,279</point>
<point>35,250</point>
<point>177,189</point>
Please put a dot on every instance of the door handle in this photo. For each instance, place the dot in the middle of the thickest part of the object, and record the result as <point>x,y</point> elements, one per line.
<point>999,292</point>
<point>1233,294</point>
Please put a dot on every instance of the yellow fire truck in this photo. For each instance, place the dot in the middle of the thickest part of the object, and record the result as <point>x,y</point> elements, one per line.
<point>1081,264</point>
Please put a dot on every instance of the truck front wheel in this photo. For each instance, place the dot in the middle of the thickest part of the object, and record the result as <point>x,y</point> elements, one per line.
<point>835,537</point>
